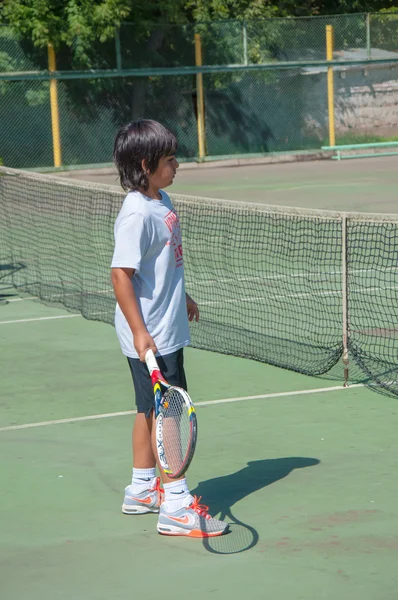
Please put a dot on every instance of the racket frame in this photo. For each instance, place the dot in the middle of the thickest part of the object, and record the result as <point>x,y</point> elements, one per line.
<point>160,389</point>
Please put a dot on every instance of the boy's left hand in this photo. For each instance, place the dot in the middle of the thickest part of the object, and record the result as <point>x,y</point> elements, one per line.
<point>192,308</point>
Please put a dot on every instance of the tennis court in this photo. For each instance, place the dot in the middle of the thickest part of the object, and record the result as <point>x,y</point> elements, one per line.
<point>363,185</point>
<point>302,468</point>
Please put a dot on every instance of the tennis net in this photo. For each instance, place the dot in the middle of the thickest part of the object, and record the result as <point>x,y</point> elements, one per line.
<point>290,287</point>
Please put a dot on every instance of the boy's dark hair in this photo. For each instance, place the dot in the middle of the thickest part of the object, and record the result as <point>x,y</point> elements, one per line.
<point>141,140</point>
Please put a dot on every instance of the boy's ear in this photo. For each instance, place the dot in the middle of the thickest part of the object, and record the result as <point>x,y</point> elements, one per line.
<point>144,166</point>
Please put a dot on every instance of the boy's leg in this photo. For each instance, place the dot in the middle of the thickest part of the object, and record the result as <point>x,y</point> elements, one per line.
<point>143,455</point>
<point>180,513</point>
<point>143,495</point>
<point>144,482</point>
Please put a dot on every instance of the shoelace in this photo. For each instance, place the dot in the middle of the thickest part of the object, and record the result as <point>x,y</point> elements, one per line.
<point>200,509</point>
<point>159,490</point>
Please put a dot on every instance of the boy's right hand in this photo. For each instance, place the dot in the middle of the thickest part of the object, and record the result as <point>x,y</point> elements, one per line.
<point>142,343</point>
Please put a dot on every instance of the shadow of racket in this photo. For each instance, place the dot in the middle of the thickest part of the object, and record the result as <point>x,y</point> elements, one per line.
<point>222,493</point>
<point>240,537</point>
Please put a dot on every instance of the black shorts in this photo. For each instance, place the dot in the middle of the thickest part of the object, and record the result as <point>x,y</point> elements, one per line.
<point>172,368</point>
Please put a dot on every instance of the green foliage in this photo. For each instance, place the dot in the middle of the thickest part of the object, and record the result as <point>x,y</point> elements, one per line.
<point>86,26</point>
<point>330,7</point>
<point>209,10</point>
<point>82,25</point>
<point>385,30</point>
<point>205,10</point>
<point>56,21</point>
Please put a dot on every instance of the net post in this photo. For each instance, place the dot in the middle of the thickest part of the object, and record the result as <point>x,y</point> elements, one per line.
<point>344,288</point>
<point>200,97</point>
<point>330,85</point>
<point>54,108</point>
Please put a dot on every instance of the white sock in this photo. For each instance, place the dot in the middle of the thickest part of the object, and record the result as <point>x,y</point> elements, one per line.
<point>176,494</point>
<point>143,479</point>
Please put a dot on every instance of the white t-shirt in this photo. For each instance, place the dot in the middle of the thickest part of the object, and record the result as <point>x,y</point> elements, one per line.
<point>148,239</point>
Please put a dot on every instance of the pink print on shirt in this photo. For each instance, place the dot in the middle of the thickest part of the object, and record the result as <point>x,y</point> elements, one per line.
<point>173,224</point>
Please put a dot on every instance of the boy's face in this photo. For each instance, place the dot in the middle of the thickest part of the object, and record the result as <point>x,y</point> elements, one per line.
<point>165,172</point>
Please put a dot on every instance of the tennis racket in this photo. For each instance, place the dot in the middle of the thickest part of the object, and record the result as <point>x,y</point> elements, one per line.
<point>176,423</point>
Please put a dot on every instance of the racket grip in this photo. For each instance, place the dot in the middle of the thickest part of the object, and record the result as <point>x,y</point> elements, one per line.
<point>151,362</point>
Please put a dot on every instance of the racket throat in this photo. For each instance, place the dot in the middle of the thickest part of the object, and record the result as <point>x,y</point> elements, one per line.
<point>156,377</point>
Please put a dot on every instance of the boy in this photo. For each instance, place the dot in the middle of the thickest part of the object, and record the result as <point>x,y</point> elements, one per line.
<point>152,312</point>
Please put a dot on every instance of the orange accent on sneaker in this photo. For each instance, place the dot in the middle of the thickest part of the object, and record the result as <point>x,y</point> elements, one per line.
<point>147,500</point>
<point>183,520</point>
<point>194,533</point>
<point>197,533</point>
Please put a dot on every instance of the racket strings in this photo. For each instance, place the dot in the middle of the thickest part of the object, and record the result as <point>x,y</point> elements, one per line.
<point>176,429</point>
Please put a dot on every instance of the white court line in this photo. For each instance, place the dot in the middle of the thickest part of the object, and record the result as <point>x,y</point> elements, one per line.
<point>206,403</point>
<point>304,275</point>
<point>257,278</point>
<point>39,319</point>
<point>22,299</point>
<point>326,185</point>
<point>56,297</point>
<point>313,294</point>
<point>272,188</point>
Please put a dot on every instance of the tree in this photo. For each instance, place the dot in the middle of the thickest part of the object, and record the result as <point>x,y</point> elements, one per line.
<point>205,10</point>
<point>82,24</point>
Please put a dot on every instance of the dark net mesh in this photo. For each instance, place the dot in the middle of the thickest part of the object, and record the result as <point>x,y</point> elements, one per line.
<point>56,241</point>
<point>263,279</point>
<point>268,281</point>
<point>372,250</point>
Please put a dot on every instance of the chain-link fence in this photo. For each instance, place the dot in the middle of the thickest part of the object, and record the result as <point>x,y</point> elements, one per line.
<point>253,104</point>
<point>90,112</point>
<point>255,42</point>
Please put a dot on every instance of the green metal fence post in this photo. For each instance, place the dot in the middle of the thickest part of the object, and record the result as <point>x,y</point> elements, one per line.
<point>368,46</point>
<point>245,43</point>
<point>118,49</point>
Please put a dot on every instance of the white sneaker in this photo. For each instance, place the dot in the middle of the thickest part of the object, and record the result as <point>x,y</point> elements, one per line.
<point>192,520</point>
<point>147,501</point>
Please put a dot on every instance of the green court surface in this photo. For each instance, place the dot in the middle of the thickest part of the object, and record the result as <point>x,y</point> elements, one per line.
<point>363,185</point>
<point>302,469</point>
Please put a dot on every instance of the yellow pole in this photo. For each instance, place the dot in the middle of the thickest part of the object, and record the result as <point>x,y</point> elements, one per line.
<point>329,56</point>
<point>200,97</point>
<point>54,109</point>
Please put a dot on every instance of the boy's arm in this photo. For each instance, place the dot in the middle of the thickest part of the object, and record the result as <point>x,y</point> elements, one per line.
<point>125,296</point>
